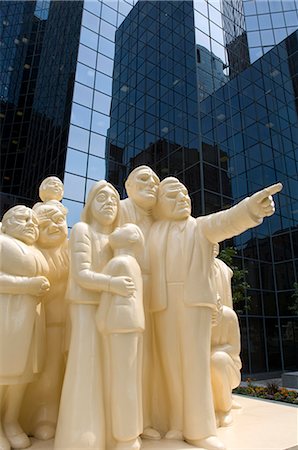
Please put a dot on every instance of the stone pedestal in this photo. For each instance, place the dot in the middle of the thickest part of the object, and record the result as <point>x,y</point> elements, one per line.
<point>290,380</point>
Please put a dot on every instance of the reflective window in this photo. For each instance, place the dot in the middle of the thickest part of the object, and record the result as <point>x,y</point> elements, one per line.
<point>109,15</point>
<point>107,30</point>
<point>252,23</point>
<point>78,138</point>
<point>100,123</point>
<point>275,6</point>
<point>76,162</point>
<point>85,75</point>
<point>250,7</point>
<point>96,168</point>
<point>103,83</point>
<point>87,56</point>
<point>105,64</point>
<point>90,20</point>
<point>92,6</point>
<point>291,19</point>
<point>265,22</point>
<point>102,103</point>
<point>278,20</point>
<point>80,116</point>
<point>262,6</point>
<point>74,187</point>
<point>89,38</point>
<point>267,37</point>
<point>254,38</point>
<point>97,144</point>
<point>106,47</point>
<point>83,95</point>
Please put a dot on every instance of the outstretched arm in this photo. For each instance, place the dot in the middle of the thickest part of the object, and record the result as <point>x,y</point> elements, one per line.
<point>246,214</point>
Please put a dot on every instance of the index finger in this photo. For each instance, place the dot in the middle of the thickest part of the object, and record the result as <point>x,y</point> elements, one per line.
<point>270,190</point>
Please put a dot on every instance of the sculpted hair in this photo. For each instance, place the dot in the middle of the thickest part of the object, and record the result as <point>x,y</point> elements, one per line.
<point>96,188</point>
<point>11,213</point>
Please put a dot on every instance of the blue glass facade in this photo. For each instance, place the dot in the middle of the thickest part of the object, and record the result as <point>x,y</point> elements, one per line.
<point>90,89</point>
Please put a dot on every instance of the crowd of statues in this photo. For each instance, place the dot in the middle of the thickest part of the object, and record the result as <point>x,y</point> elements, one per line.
<point>127,330</point>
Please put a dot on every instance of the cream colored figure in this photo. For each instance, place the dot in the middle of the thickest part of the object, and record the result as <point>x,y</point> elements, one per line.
<point>225,364</point>
<point>141,187</point>
<point>81,421</point>
<point>41,403</point>
<point>51,190</point>
<point>22,280</point>
<point>184,294</point>
<point>121,321</point>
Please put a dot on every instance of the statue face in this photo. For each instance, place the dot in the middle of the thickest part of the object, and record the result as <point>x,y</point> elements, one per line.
<point>104,206</point>
<point>143,188</point>
<point>24,226</point>
<point>174,202</point>
<point>52,229</point>
<point>52,190</point>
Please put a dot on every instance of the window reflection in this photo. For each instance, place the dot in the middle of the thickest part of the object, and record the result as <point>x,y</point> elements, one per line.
<point>78,138</point>
<point>90,20</point>
<point>87,56</point>
<point>83,95</point>
<point>74,211</point>
<point>76,162</point>
<point>80,116</point>
<point>97,144</point>
<point>96,168</point>
<point>102,103</point>
<point>89,38</point>
<point>100,123</point>
<point>85,75</point>
<point>74,187</point>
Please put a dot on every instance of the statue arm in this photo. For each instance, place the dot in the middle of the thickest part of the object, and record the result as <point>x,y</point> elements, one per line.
<point>246,214</point>
<point>14,284</point>
<point>81,261</point>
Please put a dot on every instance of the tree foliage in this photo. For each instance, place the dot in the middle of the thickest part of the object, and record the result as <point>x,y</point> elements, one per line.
<point>239,284</point>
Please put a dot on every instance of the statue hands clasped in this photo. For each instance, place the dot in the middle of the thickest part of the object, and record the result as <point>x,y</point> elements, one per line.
<point>261,203</point>
<point>123,286</point>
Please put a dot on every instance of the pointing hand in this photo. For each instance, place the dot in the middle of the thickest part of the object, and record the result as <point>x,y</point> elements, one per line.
<point>261,203</point>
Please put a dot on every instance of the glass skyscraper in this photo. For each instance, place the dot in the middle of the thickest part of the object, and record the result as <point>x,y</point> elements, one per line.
<point>91,89</point>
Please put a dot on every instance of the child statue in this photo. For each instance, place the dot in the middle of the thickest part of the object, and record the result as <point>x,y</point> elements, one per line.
<point>121,322</point>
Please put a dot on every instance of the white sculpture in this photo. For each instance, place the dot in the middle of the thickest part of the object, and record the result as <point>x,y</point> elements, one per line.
<point>106,382</point>
<point>141,187</point>
<point>81,421</point>
<point>23,284</point>
<point>225,364</point>
<point>51,190</point>
<point>121,321</point>
<point>183,297</point>
<point>41,403</point>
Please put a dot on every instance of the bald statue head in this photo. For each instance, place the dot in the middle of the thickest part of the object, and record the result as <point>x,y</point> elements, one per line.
<point>173,202</point>
<point>141,187</point>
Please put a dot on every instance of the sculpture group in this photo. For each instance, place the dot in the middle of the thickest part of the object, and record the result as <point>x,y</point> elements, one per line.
<point>126,331</point>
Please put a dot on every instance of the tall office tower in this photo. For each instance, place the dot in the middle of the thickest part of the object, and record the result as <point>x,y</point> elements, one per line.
<point>265,24</point>
<point>39,43</point>
<point>253,119</point>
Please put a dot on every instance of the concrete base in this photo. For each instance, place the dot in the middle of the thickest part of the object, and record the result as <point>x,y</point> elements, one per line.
<point>290,380</point>
<point>259,425</point>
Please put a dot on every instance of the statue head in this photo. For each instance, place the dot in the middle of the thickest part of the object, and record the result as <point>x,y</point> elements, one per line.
<point>141,187</point>
<point>51,188</point>
<point>173,202</point>
<point>21,222</point>
<point>128,236</point>
<point>102,204</point>
<point>52,224</point>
